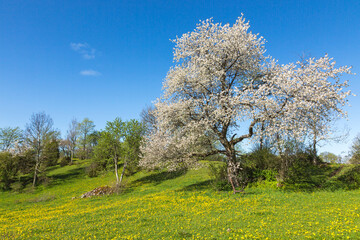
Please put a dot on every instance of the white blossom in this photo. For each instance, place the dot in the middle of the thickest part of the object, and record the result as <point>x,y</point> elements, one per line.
<point>222,83</point>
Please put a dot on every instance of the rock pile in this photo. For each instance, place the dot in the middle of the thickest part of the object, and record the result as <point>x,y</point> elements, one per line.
<point>105,190</point>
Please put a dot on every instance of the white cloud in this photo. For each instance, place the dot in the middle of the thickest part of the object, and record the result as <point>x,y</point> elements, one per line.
<point>84,49</point>
<point>90,73</point>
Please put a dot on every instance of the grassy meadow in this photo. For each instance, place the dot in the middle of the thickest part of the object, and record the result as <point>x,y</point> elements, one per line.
<point>177,205</point>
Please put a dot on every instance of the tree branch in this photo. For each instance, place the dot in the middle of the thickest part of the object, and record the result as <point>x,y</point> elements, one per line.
<point>251,132</point>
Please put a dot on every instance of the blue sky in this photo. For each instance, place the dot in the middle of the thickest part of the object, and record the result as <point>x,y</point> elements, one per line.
<point>107,59</point>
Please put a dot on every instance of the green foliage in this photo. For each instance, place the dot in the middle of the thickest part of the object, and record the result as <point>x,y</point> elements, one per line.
<point>9,137</point>
<point>355,151</point>
<point>259,165</point>
<point>134,132</point>
<point>8,170</point>
<point>92,170</point>
<point>65,160</point>
<point>86,139</point>
<point>262,159</point>
<point>304,175</point>
<point>265,175</point>
<point>27,161</point>
<point>219,177</point>
<point>347,179</point>
<point>120,143</point>
<point>51,153</point>
<point>328,157</point>
<point>110,147</point>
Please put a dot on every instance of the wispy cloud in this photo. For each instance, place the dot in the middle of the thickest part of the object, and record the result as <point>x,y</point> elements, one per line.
<point>84,49</point>
<point>90,72</point>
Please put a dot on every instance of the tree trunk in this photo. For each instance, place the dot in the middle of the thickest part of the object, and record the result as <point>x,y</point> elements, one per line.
<point>116,170</point>
<point>36,170</point>
<point>262,136</point>
<point>71,156</point>
<point>284,166</point>
<point>123,172</point>
<point>233,170</point>
<point>314,150</point>
<point>84,147</point>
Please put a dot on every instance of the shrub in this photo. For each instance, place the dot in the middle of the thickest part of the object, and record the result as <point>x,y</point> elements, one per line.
<point>64,161</point>
<point>8,170</point>
<point>92,170</point>
<point>261,159</point>
<point>266,175</point>
<point>218,173</point>
<point>303,174</point>
<point>348,180</point>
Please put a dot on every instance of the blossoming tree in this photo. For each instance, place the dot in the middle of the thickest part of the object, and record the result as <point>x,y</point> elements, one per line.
<point>223,88</point>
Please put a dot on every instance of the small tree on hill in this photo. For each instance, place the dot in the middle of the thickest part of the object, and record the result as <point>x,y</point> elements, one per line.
<point>120,141</point>
<point>38,133</point>
<point>110,144</point>
<point>72,137</point>
<point>85,128</point>
<point>134,133</point>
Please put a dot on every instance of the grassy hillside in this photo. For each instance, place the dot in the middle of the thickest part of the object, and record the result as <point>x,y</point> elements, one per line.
<point>178,205</point>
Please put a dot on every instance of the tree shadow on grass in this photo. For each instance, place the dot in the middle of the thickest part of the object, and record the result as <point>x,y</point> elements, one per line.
<point>159,177</point>
<point>197,186</point>
<point>57,179</point>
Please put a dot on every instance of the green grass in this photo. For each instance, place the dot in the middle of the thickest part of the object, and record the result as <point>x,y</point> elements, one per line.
<point>178,205</point>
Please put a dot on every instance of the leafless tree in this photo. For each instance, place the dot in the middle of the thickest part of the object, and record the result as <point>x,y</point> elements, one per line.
<point>86,128</point>
<point>148,119</point>
<point>72,137</point>
<point>38,132</point>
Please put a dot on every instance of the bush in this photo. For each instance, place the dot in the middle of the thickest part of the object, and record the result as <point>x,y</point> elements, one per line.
<point>131,169</point>
<point>348,180</point>
<point>8,170</point>
<point>64,161</point>
<point>265,175</point>
<point>259,165</point>
<point>92,170</point>
<point>218,173</point>
<point>303,175</point>
<point>261,159</point>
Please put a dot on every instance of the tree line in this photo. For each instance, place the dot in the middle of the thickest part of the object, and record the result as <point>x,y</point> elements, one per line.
<point>33,150</point>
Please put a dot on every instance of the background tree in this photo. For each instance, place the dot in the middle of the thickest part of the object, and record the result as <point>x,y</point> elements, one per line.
<point>120,142</point>
<point>148,119</point>
<point>93,140</point>
<point>51,153</point>
<point>38,133</point>
<point>355,151</point>
<point>72,137</point>
<point>110,145</point>
<point>223,87</point>
<point>65,148</point>
<point>9,137</point>
<point>86,128</point>
<point>133,136</point>
<point>328,157</point>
